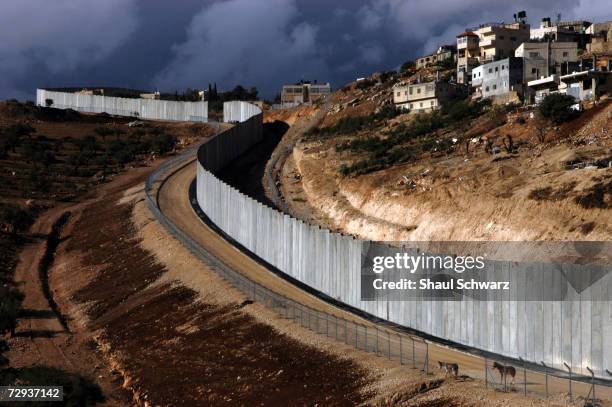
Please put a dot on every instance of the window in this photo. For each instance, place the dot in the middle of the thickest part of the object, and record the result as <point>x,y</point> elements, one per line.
<point>534,70</point>
<point>565,54</point>
<point>398,94</point>
<point>494,87</point>
<point>534,54</point>
<point>490,70</point>
<point>405,93</point>
<point>503,67</point>
<point>512,38</point>
<point>487,88</point>
<point>410,90</point>
<point>421,104</point>
<point>418,90</point>
<point>411,106</point>
<point>432,103</point>
<point>501,37</point>
<point>496,69</point>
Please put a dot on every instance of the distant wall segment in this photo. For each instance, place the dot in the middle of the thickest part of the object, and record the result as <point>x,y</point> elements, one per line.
<point>130,107</point>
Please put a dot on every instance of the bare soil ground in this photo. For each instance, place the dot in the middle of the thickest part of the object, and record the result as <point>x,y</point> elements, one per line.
<point>174,348</point>
<point>552,190</point>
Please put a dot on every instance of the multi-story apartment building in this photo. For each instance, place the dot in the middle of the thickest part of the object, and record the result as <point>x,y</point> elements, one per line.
<point>500,80</point>
<point>488,42</point>
<point>498,41</point>
<point>304,92</point>
<point>467,55</point>
<point>543,59</point>
<point>444,53</point>
<point>424,97</point>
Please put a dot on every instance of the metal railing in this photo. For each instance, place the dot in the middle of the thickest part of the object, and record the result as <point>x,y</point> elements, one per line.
<point>394,345</point>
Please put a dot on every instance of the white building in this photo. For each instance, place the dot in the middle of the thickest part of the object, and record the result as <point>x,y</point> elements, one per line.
<point>424,97</point>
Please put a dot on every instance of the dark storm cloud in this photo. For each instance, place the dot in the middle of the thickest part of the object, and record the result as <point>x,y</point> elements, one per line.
<point>264,43</point>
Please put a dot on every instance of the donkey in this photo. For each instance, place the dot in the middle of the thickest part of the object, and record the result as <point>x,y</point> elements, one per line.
<point>449,368</point>
<point>505,371</point>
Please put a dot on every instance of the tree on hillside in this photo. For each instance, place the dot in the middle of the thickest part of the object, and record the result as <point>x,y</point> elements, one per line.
<point>557,107</point>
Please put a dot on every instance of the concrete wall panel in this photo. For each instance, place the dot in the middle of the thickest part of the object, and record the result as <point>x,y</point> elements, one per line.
<point>574,331</point>
<point>141,108</point>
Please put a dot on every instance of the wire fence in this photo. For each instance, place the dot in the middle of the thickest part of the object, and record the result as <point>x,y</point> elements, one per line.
<point>403,348</point>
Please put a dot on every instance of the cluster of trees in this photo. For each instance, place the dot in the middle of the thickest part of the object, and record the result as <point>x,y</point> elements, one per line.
<point>12,137</point>
<point>353,124</point>
<point>406,142</point>
<point>557,108</point>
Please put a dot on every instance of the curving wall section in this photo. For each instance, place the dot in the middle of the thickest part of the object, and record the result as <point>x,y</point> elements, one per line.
<point>573,331</point>
<point>130,107</point>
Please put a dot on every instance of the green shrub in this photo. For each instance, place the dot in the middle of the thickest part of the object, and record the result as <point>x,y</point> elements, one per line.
<point>556,107</point>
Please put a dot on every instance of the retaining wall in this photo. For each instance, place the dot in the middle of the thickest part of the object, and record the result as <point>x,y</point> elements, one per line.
<point>141,108</point>
<point>574,331</point>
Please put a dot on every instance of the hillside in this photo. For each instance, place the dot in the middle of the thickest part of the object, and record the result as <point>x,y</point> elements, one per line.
<point>471,171</point>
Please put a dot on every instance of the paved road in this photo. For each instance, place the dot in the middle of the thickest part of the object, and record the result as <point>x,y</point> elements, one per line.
<point>174,203</point>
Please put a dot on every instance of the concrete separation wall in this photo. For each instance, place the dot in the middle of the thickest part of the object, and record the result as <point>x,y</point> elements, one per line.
<point>575,331</point>
<point>137,108</point>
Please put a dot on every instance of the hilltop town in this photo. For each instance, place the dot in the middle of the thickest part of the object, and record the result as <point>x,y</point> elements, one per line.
<point>510,124</point>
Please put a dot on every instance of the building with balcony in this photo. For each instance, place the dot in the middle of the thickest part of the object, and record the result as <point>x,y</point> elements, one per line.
<point>303,92</point>
<point>443,53</point>
<point>586,85</point>
<point>425,97</point>
<point>489,42</point>
<point>467,55</point>
<point>499,41</point>
<point>540,88</point>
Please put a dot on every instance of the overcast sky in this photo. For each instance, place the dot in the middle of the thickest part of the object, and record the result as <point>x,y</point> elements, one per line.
<point>172,45</point>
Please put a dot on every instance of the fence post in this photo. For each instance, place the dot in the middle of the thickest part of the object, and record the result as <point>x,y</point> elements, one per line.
<point>389,343</point>
<point>570,380</point>
<point>376,340</point>
<point>356,337</point>
<point>426,358</point>
<point>486,371</point>
<point>413,356</point>
<point>401,356</point>
<point>336,319</point>
<point>366,337</point>
<point>524,377</point>
<point>345,331</point>
<point>326,324</point>
<point>592,385</point>
<point>545,377</point>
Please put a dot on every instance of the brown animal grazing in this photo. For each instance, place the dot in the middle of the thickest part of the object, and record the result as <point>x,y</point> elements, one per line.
<point>451,368</point>
<point>504,371</point>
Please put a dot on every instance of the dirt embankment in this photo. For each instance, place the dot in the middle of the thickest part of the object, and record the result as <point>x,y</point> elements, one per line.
<point>556,191</point>
<point>175,346</point>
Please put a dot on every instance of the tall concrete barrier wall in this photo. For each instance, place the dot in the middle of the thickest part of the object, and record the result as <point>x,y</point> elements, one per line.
<point>141,108</point>
<point>575,331</point>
